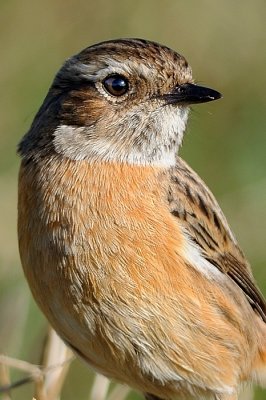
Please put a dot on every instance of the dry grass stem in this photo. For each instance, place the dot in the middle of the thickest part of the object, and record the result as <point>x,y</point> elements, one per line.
<point>5,381</point>
<point>48,378</point>
<point>99,388</point>
<point>55,353</point>
<point>120,392</point>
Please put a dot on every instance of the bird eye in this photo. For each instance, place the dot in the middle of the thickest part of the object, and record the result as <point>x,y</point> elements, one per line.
<point>116,85</point>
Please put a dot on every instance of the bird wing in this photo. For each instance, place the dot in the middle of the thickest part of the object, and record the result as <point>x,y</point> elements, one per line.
<point>199,213</point>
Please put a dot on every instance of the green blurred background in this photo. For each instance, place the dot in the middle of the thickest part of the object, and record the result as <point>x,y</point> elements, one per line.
<point>224,41</point>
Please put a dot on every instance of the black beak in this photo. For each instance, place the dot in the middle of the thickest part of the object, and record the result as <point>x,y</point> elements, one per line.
<point>189,93</point>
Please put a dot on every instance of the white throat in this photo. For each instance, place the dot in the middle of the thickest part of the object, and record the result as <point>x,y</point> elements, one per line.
<point>155,144</point>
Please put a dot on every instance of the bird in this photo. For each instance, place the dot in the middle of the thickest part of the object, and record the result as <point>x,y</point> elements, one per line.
<point>125,249</point>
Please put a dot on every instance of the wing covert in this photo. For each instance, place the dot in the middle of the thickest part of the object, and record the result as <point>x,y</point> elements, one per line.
<point>200,215</point>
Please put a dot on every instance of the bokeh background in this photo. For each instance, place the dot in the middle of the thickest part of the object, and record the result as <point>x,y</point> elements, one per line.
<point>225,43</point>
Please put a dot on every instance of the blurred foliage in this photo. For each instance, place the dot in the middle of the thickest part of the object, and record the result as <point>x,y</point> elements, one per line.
<point>224,41</point>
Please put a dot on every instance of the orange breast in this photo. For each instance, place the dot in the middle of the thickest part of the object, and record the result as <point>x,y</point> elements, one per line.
<point>102,255</point>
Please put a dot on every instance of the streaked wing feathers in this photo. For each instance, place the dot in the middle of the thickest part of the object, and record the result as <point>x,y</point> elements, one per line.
<point>199,213</point>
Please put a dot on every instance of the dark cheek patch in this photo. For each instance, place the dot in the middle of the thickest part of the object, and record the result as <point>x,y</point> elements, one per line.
<point>81,108</point>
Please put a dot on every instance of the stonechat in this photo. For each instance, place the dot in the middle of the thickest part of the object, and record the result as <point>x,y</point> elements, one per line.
<point>125,249</point>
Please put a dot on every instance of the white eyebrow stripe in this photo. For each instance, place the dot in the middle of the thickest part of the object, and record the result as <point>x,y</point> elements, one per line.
<point>98,71</point>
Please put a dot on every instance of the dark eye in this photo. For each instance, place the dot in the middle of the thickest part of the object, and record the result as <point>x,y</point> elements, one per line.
<point>116,85</point>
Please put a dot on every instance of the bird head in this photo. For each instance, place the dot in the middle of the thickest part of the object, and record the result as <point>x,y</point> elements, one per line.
<point>124,100</point>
